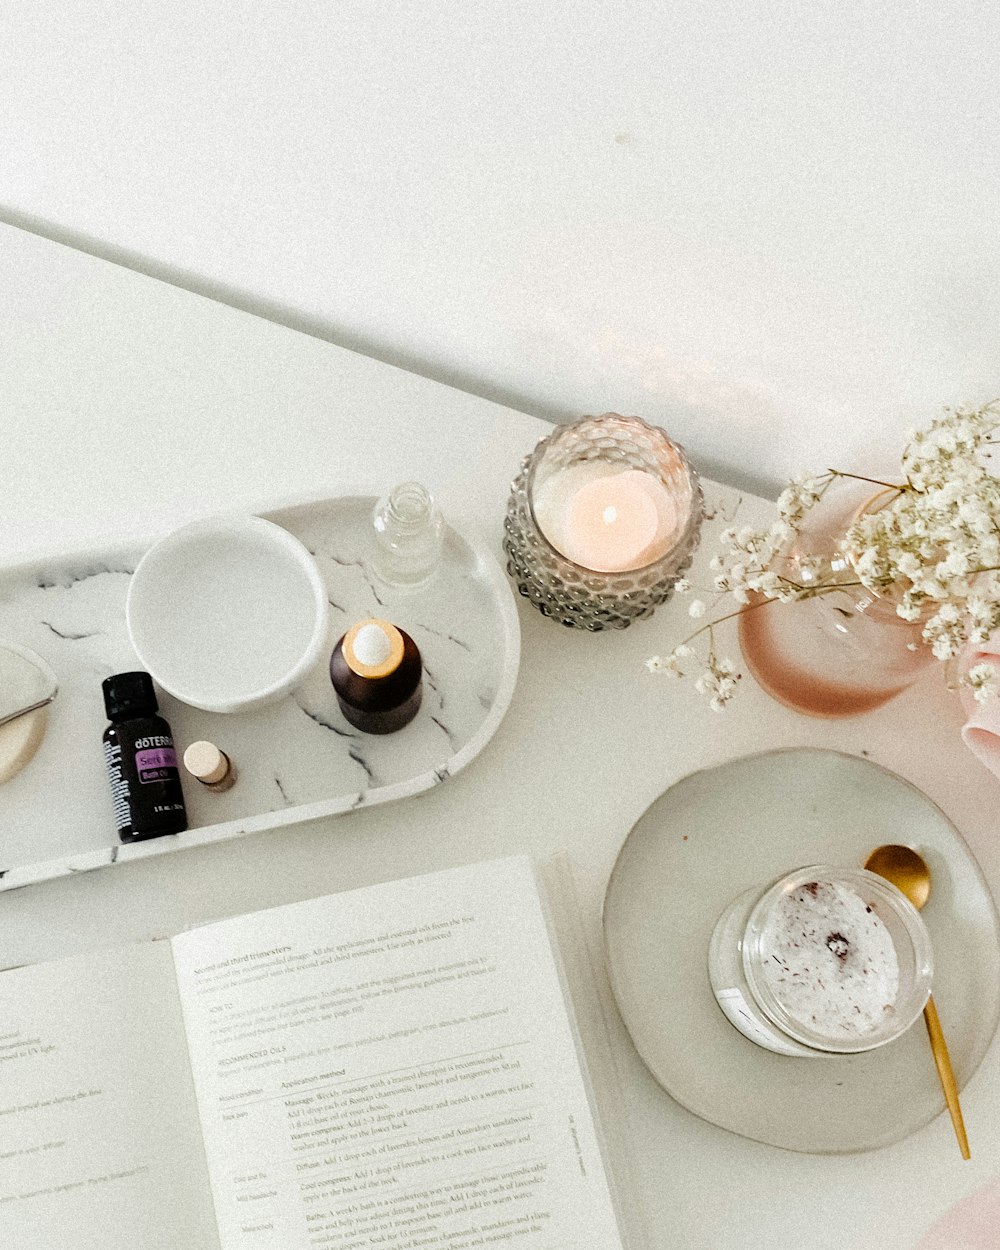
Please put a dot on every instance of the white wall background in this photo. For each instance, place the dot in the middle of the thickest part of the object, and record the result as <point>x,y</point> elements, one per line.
<point>771,226</point>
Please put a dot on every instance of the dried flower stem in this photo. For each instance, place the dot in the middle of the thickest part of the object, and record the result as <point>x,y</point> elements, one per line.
<point>932,549</point>
<point>875,481</point>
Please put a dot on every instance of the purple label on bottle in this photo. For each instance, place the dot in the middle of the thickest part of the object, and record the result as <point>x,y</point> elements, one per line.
<point>155,765</point>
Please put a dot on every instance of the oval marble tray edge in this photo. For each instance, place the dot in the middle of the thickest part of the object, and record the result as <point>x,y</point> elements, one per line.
<point>123,552</point>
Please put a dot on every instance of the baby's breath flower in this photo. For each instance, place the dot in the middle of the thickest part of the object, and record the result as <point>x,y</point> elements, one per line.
<point>983,681</point>
<point>718,681</point>
<point>667,666</point>
<point>930,545</point>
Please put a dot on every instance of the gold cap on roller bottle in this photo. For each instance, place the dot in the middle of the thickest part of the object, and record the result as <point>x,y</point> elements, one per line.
<point>373,649</point>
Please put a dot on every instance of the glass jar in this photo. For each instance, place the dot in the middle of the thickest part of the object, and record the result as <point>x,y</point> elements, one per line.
<point>574,457</point>
<point>772,948</point>
<point>409,535</point>
<point>840,653</point>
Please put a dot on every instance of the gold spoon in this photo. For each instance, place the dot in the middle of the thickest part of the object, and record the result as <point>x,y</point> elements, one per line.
<point>908,872</point>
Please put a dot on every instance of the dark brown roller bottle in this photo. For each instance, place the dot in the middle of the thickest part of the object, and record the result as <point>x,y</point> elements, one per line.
<point>376,671</point>
<point>142,763</point>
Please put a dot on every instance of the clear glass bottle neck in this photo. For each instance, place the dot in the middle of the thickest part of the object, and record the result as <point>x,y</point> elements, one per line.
<point>410,506</point>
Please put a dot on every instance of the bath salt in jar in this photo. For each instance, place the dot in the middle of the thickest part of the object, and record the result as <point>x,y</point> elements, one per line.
<point>825,961</point>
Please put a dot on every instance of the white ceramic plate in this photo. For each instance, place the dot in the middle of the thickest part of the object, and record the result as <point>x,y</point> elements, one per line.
<point>227,614</point>
<point>722,831</point>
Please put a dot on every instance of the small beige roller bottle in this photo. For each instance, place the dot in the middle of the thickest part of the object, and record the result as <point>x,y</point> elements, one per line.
<point>212,767</point>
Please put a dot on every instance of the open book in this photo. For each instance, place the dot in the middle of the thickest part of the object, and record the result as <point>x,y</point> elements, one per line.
<point>392,1067</point>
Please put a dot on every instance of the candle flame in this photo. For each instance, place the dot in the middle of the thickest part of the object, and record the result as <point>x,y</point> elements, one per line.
<point>610,515</point>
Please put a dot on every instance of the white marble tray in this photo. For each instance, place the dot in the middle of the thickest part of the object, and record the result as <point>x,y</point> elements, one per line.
<point>297,760</point>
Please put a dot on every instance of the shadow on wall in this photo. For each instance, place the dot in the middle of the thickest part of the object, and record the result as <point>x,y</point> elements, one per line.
<point>686,395</point>
<point>681,396</point>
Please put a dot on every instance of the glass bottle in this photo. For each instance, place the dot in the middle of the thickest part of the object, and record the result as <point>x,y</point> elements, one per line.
<point>377,675</point>
<point>210,766</point>
<point>409,535</point>
<point>843,652</point>
<point>141,761</point>
<point>742,975</point>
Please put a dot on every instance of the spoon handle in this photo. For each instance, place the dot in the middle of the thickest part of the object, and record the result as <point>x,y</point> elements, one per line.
<point>939,1050</point>
<point>23,711</point>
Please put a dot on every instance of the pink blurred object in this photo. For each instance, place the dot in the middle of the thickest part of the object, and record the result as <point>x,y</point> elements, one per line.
<point>981,732</point>
<point>971,1224</point>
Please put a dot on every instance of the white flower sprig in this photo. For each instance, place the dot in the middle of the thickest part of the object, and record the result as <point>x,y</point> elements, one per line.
<point>929,544</point>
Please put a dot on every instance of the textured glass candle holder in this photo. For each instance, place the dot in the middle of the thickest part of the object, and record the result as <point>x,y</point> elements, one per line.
<point>583,598</point>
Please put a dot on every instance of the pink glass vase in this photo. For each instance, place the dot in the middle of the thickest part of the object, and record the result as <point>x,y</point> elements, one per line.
<point>840,653</point>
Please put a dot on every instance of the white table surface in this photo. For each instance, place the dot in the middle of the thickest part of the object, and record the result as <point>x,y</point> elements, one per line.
<point>129,405</point>
<point>771,226</point>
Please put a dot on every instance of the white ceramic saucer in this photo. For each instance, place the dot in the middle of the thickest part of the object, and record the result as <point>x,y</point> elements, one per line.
<point>722,831</point>
<point>228,614</point>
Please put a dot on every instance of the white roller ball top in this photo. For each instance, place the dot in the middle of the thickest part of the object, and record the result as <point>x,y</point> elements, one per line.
<point>372,646</point>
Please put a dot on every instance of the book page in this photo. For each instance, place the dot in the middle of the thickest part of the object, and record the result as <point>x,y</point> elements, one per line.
<point>393,1067</point>
<point>100,1146</point>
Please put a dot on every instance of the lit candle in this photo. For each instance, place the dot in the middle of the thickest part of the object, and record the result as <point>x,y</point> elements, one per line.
<point>608,522</point>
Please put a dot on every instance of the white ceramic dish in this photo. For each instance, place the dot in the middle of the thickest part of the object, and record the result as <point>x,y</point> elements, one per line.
<point>298,759</point>
<point>227,614</point>
<point>719,832</point>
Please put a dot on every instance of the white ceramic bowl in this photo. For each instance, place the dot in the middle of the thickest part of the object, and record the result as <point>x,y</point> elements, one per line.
<point>228,614</point>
